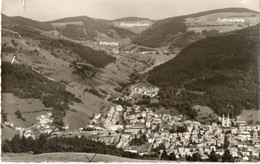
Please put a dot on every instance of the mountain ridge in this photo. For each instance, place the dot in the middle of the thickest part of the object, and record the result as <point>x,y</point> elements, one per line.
<point>157,34</point>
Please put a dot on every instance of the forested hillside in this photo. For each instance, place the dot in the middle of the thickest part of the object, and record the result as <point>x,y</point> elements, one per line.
<point>223,67</point>
<point>91,56</point>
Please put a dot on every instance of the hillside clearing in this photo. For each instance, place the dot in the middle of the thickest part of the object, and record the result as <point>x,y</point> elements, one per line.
<point>29,107</point>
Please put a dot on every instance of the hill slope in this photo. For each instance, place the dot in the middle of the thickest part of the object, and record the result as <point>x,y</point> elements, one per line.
<point>224,67</point>
<point>23,82</point>
<point>170,30</point>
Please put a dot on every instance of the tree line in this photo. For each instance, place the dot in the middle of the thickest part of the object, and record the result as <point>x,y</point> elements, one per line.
<point>47,144</point>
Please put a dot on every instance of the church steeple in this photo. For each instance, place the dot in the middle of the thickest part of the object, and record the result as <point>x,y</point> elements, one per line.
<point>228,120</point>
<point>223,120</point>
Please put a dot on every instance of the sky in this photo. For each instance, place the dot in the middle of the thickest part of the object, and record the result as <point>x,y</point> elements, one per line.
<point>46,10</point>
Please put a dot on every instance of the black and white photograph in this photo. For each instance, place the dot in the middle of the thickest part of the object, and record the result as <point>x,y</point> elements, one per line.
<point>173,81</point>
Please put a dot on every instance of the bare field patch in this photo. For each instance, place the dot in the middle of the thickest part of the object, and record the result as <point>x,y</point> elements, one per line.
<point>210,22</point>
<point>66,23</point>
<point>250,116</point>
<point>205,114</point>
<point>81,112</point>
<point>30,109</point>
<point>7,133</point>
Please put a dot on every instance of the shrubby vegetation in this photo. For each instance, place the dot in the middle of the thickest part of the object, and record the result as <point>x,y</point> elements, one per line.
<point>19,115</point>
<point>4,115</point>
<point>123,103</point>
<point>8,49</point>
<point>24,31</point>
<point>138,141</point>
<point>93,91</point>
<point>127,154</point>
<point>84,71</point>
<point>146,100</point>
<point>178,129</point>
<point>223,67</point>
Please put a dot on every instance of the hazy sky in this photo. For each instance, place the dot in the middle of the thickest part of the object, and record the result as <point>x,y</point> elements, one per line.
<point>44,10</point>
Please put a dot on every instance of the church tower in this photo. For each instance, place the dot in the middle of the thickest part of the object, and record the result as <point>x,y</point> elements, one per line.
<point>227,121</point>
<point>223,120</point>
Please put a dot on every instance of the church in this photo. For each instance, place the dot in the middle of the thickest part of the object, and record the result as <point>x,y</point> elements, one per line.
<point>226,121</point>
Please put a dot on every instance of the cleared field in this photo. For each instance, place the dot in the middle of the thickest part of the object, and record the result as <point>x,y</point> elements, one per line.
<point>205,114</point>
<point>80,117</point>
<point>210,22</point>
<point>134,28</point>
<point>250,116</point>
<point>66,157</point>
<point>66,23</point>
<point>30,109</point>
<point>158,60</point>
<point>7,133</point>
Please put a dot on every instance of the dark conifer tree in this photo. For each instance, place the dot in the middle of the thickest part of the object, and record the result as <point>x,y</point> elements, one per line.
<point>227,157</point>
<point>15,144</point>
<point>164,155</point>
<point>213,156</point>
<point>172,157</point>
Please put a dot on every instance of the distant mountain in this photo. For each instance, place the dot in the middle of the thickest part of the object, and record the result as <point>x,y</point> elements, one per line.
<point>88,28</point>
<point>180,31</point>
<point>223,67</point>
<point>77,28</point>
<point>130,19</point>
<point>11,22</point>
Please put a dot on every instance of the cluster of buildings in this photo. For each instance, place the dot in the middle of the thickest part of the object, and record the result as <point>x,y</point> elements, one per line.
<point>179,135</point>
<point>45,125</point>
<point>120,126</point>
<point>145,91</point>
